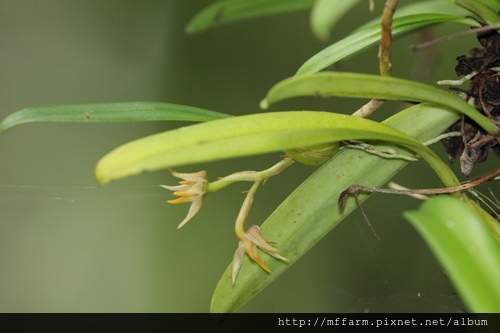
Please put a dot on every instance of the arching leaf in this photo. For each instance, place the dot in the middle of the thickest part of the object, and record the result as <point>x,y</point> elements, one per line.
<point>227,11</point>
<point>250,135</point>
<point>371,86</point>
<point>109,112</point>
<point>486,10</point>
<point>370,35</point>
<point>310,211</point>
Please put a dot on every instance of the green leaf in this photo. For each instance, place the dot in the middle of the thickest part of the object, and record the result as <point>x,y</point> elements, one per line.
<point>310,211</point>
<point>229,11</point>
<point>370,35</point>
<point>424,7</point>
<point>487,10</point>
<point>250,135</point>
<point>326,13</point>
<point>494,5</point>
<point>109,112</point>
<point>371,86</point>
<point>465,248</point>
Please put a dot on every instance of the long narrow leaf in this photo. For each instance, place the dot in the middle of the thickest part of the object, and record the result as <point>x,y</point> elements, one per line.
<point>310,212</point>
<point>370,35</point>
<point>493,5</point>
<point>465,247</point>
<point>371,86</point>
<point>109,112</point>
<point>250,135</point>
<point>228,11</point>
<point>486,10</point>
<point>424,7</point>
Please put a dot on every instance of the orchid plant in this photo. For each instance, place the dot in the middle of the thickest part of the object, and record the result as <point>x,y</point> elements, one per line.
<point>456,226</point>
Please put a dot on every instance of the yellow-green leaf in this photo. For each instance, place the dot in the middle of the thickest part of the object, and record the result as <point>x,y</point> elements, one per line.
<point>371,86</point>
<point>310,212</point>
<point>251,135</point>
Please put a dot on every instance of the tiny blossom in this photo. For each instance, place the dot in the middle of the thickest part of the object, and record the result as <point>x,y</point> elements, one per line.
<point>248,244</point>
<point>192,189</point>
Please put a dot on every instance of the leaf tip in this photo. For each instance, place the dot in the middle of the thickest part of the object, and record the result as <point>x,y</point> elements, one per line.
<point>322,36</point>
<point>4,126</point>
<point>101,180</point>
<point>190,29</point>
<point>264,104</point>
<point>100,175</point>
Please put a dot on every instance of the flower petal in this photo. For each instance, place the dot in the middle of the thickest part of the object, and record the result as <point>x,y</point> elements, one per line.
<point>187,193</point>
<point>180,200</point>
<point>280,257</point>
<point>176,188</point>
<point>237,260</point>
<point>253,234</point>
<point>254,254</point>
<point>200,176</point>
<point>193,209</point>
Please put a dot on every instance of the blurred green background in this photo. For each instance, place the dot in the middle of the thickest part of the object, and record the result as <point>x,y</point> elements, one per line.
<point>67,245</point>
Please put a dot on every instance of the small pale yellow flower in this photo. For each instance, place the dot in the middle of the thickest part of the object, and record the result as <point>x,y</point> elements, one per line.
<point>192,189</point>
<point>248,244</point>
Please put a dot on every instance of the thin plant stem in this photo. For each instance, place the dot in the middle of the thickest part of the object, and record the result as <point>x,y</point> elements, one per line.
<point>250,176</point>
<point>441,137</point>
<point>418,193</point>
<point>239,226</point>
<point>384,55</point>
<point>456,35</point>
<point>354,189</point>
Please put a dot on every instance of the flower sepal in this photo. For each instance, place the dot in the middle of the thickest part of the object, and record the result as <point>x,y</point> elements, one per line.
<point>251,240</point>
<point>192,188</point>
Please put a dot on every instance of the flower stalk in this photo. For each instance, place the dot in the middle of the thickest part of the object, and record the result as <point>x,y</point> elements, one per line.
<point>194,187</point>
<point>250,176</point>
<point>250,240</point>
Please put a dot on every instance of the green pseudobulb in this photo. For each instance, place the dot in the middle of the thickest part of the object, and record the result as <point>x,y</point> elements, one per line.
<point>314,155</point>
